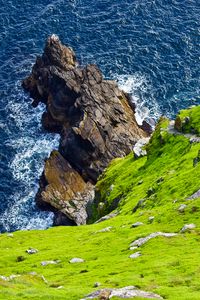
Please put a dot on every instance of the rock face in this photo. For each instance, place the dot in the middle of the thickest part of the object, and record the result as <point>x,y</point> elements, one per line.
<point>95,120</point>
<point>125,292</point>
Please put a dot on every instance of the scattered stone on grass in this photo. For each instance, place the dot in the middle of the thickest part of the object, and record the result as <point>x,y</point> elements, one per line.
<point>107,217</point>
<point>31,251</point>
<point>187,227</point>
<point>107,229</point>
<point>125,292</point>
<point>50,262</point>
<point>136,224</point>
<point>182,207</point>
<point>135,255</point>
<point>76,260</point>
<point>194,196</point>
<point>151,219</point>
<point>142,241</point>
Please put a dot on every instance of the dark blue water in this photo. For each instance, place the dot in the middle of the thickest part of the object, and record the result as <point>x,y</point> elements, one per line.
<point>150,47</point>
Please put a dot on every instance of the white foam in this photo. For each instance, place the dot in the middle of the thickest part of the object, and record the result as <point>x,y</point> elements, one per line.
<point>30,145</point>
<point>138,87</point>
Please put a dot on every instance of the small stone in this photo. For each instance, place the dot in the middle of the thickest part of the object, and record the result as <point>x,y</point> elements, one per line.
<point>151,219</point>
<point>10,235</point>
<point>194,196</point>
<point>76,260</point>
<point>31,251</point>
<point>97,284</point>
<point>50,262</point>
<point>182,208</point>
<point>107,229</point>
<point>135,255</point>
<point>133,248</point>
<point>188,227</point>
<point>112,187</point>
<point>136,224</point>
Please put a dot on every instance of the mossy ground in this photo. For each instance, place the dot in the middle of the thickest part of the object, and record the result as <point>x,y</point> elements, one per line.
<point>193,125</point>
<point>168,266</point>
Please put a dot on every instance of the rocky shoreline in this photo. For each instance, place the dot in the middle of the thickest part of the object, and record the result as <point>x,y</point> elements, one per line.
<point>96,123</point>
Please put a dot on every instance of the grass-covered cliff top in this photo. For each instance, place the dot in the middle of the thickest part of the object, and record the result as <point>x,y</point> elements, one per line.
<point>153,190</point>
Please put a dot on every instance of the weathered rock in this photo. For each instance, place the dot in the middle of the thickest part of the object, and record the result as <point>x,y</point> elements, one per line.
<point>194,196</point>
<point>188,227</point>
<point>8,278</point>
<point>142,241</point>
<point>31,251</point>
<point>65,189</point>
<point>136,224</point>
<point>182,208</point>
<point>138,149</point>
<point>107,217</point>
<point>50,262</point>
<point>107,229</point>
<point>94,118</point>
<point>125,292</point>
<point>135,255</point>
<point>151,219</point>
<point>76,260</point>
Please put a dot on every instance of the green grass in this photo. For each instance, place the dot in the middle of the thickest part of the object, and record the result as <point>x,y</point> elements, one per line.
<point>193,125</point>
<point>168,266</point>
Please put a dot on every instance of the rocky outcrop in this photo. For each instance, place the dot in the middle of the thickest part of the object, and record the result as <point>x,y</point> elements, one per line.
<point>65,189</point>
<point>95,120</point>
<point>125,292</point>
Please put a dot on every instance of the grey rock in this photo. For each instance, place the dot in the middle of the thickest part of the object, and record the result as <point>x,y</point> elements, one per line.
<point>137,224</point>
<point>133,248</point>
<point>125,292</point>
<point>151,219</point>
<point>138,148</point>
<point>182,208</point>
<point>31,251</point>
<point>76,260</point>
<point>135,255</point>
<point>194,196</point>
<point>141,241</point>
<point>50,262</point>
<point>107,217</point>
<point>107,229</point>
<point>8,278</point>
<point>188,227</point>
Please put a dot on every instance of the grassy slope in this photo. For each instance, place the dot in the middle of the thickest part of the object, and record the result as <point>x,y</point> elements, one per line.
<point>168,266</point>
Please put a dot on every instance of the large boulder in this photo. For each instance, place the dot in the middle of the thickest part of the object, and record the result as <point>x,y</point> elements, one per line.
<point>65,190</point>
<point>94,117</point>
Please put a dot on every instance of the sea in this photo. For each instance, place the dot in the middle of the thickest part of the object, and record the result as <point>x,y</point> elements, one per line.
<point>151,47</point>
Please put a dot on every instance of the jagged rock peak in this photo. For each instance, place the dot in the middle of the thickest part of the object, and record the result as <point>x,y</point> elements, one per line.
<point>57,53</point>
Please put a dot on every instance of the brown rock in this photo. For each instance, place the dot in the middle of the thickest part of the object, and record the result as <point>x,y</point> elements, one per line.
<point>65,189</point>
<point>93,116</point>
